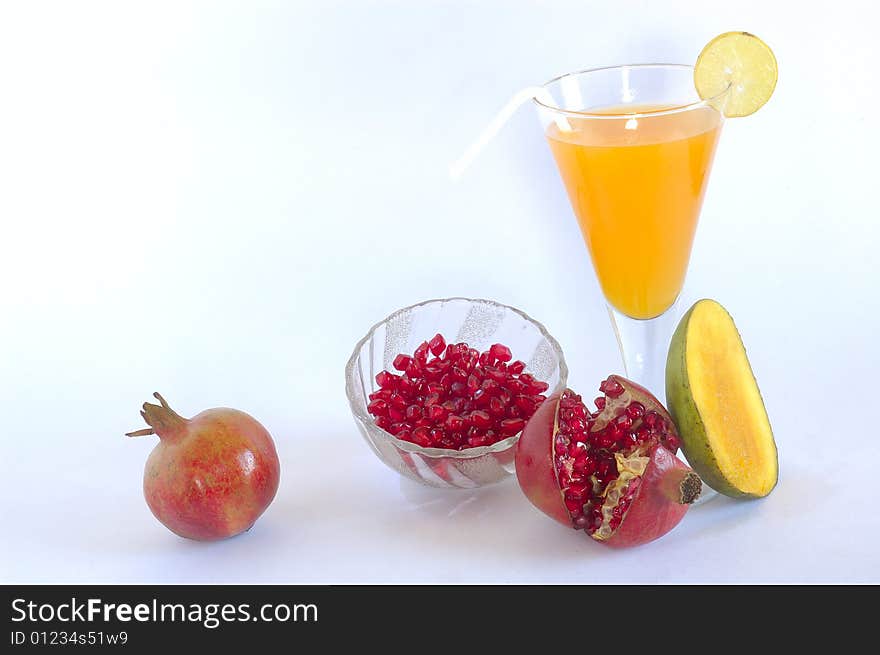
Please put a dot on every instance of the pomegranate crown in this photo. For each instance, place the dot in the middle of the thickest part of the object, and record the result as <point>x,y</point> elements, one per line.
<point>163,421</point>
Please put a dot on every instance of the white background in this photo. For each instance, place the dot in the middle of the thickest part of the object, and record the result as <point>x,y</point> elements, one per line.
<point>216,200</point>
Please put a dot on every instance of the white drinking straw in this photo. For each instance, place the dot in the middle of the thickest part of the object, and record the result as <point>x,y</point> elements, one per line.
<point>495,125</point>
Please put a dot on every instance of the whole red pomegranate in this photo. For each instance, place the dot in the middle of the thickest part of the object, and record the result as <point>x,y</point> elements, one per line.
<point>209,477</point>
<point>612,473</point>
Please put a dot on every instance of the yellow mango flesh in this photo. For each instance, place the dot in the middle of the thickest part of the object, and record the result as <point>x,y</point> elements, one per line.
<point>736,439</point>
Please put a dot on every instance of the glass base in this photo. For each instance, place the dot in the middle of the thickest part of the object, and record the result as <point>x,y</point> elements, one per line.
<point>644,344</point>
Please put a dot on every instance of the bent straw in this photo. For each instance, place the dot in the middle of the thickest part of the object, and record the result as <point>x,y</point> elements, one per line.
<point>538,92</point>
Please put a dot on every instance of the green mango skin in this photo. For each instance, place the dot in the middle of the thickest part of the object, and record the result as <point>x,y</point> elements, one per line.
<point>686,416</point>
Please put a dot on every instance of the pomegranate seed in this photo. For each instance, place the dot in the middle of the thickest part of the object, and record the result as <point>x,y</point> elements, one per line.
<point>454,423</point>
<point>473,383</point>
<point>497,374</point>
<point>567,401</point>
<point>481,419</point>
<point>401,362</point>
<point>421,436</point>
<point>635,410</point>
<point>421,353</point>
<point>611,388</point>
<point>413,413</point>
<point>537,387</point>
<point>588,467</point>
<point>434,372</point>
<point>511,426</point>
<point>377,407</point>
<point>386,380</point>
<point>437,345</point>
<point>500,352</point>
<point>524,402</point>
<point>406,386</point>
<point>577,491</point>
<point>516,367</point>
<point>577,425</point>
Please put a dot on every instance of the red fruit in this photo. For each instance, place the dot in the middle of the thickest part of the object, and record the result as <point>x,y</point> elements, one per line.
<point>449,389</point>
<point>612,473</point>
<point>500,352</point>
<point>402,362</point>
<point>211,476</point>
<point>437,344</point>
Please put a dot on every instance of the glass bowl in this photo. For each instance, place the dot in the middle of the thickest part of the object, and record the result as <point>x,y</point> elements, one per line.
<point>480,323</point>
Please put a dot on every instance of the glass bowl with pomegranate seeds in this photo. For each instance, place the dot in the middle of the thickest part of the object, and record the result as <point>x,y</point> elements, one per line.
<point>441,390</point>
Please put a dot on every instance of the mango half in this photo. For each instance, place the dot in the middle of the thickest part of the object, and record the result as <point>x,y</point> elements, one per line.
<point>715,403</point>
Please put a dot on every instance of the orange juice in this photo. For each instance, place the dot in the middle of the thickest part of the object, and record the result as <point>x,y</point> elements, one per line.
<point>636,185</point>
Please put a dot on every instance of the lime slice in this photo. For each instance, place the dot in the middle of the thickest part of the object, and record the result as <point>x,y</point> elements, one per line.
<point>744,63</point>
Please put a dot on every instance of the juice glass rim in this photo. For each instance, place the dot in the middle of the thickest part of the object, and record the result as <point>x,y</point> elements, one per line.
<point>707,102</point>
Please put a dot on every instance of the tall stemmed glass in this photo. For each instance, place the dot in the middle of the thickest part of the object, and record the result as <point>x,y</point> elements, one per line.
<point>634,146</point>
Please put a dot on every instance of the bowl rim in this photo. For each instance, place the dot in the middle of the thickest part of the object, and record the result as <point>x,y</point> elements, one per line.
<point>467,453</point>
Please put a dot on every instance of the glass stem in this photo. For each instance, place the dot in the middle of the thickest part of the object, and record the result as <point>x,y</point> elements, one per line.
<point>643,347</point>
